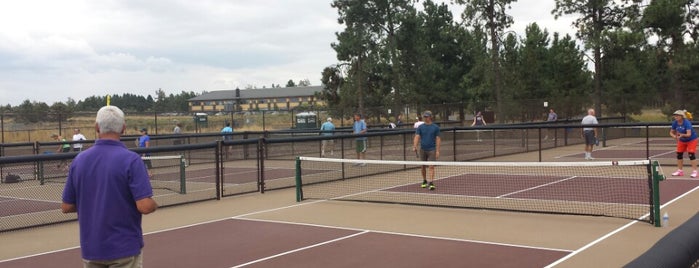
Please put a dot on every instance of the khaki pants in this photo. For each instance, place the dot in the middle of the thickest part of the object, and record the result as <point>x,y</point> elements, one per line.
<point>327,145</point>
<point>128,262</point>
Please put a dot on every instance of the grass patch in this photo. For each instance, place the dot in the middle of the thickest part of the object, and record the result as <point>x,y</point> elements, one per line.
<point>650,115</point>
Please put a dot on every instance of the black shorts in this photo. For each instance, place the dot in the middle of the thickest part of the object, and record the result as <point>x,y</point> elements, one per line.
<point>589,137</point>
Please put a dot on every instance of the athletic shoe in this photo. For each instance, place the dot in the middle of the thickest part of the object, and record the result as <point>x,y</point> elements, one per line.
<point>362,164</point>
<point>694,174</point>
<point>432,187</point>
<point>590,158</point>
<point>424,185</point>
<point>679,172</point>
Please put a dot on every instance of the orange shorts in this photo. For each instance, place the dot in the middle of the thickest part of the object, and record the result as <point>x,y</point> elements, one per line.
<point>687,146</point>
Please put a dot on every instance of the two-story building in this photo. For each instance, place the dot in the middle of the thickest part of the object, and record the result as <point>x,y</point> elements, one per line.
<point>260,99</point>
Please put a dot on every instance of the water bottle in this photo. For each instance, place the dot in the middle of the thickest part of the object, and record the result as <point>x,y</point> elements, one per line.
<point>666,220</point>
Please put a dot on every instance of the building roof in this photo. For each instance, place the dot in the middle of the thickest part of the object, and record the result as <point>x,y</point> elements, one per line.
<point>259,93</point>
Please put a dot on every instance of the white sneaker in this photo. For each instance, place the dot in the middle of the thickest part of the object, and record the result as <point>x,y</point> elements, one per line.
<point>694,174</point>
<point>679,172</point>
<point>590,158</point>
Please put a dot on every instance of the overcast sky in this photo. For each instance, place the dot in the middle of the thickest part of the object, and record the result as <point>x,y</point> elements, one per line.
<point>54,50</point>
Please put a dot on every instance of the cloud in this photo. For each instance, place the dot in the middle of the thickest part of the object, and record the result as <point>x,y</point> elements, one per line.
<point>79,48</point>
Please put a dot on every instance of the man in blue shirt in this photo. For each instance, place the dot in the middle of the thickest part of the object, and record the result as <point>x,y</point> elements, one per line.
<point>427,137</point>
<point>227,132</point>
<point>327,129</point>
<point>108,186</point>
<point>359,127</point>
<point>144,142</point>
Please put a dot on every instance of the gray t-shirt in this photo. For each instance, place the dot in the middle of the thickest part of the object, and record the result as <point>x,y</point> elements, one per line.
<point>589,120</point>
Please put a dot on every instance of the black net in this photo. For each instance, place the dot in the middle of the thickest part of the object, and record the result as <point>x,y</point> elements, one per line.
<point>615,189</point>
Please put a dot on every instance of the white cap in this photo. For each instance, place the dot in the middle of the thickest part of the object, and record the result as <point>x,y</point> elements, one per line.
<point>330,119</point>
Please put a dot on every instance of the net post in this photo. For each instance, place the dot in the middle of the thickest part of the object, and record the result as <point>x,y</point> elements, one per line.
<point>656,177</point>
<point>183,183</point>
<point>299,191</point>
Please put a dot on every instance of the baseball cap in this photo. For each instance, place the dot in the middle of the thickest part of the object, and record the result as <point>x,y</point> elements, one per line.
<point>427,114</point>
<point>679,112</point>
<point>144,130</point>
<point>330,119</point>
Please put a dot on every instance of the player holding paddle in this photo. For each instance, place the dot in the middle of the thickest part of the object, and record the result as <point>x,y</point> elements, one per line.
<point>427,135</point>
<point>686,138</point>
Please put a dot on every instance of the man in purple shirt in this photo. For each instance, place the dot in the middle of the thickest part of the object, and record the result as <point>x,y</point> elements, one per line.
<point>108,186</point>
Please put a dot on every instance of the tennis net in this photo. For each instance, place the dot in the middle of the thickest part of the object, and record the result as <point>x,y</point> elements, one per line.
<point>167,172</point>
<point>623,189</point>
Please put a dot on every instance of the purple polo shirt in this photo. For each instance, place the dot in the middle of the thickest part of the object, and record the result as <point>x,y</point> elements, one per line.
<point>104,182</point>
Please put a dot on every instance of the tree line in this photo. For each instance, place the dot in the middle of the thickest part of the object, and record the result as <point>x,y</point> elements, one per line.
<point>625,55</point>
<point>33,111</point>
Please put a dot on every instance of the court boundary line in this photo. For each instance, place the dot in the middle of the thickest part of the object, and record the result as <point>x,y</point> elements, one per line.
<point>537,187</point>
<point>609,148</point>
<point>167,229</point>
<point>14,198</point>
<point>576,252</point>
<point>504,196</point>
<point>300,249</point>
<point>410,235</point>
<point>645,206</point>
<point>40,254</point>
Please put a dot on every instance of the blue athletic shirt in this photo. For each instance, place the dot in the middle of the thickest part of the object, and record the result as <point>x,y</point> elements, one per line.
<point>142,142</point>
<point>358,127</point>
<point>428,136</point>
<point>327,129</point>
<point>226,131</point>
<point>682,129</point>
<point>104,183</point>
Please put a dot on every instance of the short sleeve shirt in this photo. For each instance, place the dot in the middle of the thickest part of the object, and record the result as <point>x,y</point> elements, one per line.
<point>358,127</point>
<point>327,129</point>
<point>104,183</point>
<point>428,136</point>
<point>682,128</point>
<point>589,120</point>
<point>227,130</point>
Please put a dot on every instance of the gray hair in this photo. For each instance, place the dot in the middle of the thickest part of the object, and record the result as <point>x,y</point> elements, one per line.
<point>110,119</point>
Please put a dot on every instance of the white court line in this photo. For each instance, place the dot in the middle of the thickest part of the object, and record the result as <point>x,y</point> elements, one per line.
<point>657,155</point>
<point>14,198</point>
<point>412,235</point>
<point>40,254</point>
<point>300,249</point>
<point>559,261</point>
<point>536,187</point>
